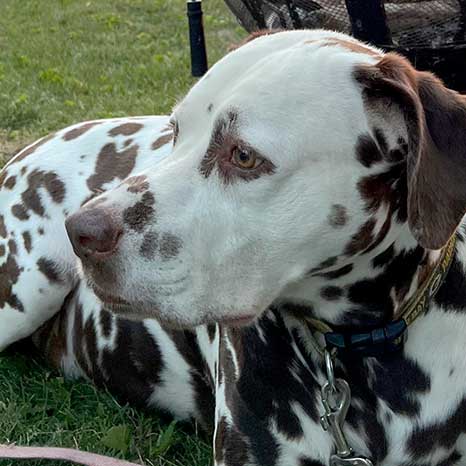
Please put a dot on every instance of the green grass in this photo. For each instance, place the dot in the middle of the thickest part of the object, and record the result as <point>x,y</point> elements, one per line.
<point>61,62</point>
<point>39,407</point>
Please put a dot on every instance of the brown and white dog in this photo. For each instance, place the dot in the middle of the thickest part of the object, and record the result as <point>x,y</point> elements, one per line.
<point>309,176</point>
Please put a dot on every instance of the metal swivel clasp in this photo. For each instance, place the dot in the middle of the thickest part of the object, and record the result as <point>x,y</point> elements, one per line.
<point>336,399</point>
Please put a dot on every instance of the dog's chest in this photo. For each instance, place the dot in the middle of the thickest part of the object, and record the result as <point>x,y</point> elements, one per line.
<point>412,406</point>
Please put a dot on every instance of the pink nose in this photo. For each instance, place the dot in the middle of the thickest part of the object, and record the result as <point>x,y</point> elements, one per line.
<point>94,232</point>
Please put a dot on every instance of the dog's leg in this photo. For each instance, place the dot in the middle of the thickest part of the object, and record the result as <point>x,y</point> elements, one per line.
<point>138,361</point>
<point>36,273</point>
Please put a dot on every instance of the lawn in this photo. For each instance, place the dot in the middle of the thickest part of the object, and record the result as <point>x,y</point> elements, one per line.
<point>63,61</point>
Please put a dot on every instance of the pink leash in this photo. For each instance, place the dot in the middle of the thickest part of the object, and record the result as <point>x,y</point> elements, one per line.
<point>67,454</point>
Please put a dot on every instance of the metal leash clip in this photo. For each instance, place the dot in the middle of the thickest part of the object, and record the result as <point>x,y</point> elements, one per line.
<point>336,398</point>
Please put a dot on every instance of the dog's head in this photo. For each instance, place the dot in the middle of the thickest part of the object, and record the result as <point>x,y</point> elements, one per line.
<point>296,150</point>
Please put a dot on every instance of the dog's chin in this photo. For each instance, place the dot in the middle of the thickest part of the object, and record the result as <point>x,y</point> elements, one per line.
<point>140,311</point>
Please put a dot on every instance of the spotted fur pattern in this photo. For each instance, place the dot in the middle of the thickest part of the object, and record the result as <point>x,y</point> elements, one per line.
<point>325,228</point>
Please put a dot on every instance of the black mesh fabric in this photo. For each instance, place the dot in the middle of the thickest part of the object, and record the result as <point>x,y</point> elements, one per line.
<point>431,33</point>
<point>412,23</point>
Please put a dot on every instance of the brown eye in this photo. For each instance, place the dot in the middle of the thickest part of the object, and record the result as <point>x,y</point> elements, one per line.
<point>245,159</point>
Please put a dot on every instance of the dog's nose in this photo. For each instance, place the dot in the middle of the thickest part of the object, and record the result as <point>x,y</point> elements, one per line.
<point>94,232</point>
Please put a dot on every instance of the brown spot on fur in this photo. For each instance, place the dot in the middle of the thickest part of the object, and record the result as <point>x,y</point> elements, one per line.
<point>362,239</point>
<point>170,246</point>
<point>367,151</point>
<point>149,245</point>
<point>331,293</point>
<point>338,216</point>
<point>435,117</point>
<point>40,230</point>
<point>112,164</point>
<point>27,241</point>
<point>137,184</point>
<point>20,212</point>
<point>139,215</point>
<point>161,141</point>
<point>10,182</point>
<point>38,179</point>
<point>2,250</point>
<point>355,47</point>
<point>3,231</point>
<point>49,269</point>
<point>389,188</point>
<point>30,150</point>
<point>80,130</point>
<point>126,129</point>
<point>128,142</point>
<point>12,247</point>
<point>10,272</point>
<point>210,107</point>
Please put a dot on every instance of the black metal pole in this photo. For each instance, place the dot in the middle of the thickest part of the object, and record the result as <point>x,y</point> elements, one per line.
<point>369,21</point>
<point>196,38</point>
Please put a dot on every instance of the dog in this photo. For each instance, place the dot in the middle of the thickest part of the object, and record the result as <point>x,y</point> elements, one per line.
<point>307,181</point>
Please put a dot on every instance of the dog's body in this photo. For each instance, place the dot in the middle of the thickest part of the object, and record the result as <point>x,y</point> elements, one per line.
<point>348,247</point>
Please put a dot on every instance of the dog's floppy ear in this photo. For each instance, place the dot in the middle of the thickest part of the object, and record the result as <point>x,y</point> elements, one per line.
<point>435,119</point>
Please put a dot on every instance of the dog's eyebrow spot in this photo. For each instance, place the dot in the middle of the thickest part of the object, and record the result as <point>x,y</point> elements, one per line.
<point>210,107</point>
<point>338,216</point>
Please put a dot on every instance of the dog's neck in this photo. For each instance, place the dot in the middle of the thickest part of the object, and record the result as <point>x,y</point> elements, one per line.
<point>366,290</point>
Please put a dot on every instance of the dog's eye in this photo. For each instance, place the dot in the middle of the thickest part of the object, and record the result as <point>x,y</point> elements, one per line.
<point>245,159</point>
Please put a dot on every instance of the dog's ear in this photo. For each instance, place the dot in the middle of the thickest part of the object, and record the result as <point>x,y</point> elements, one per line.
<point>435,119</point>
